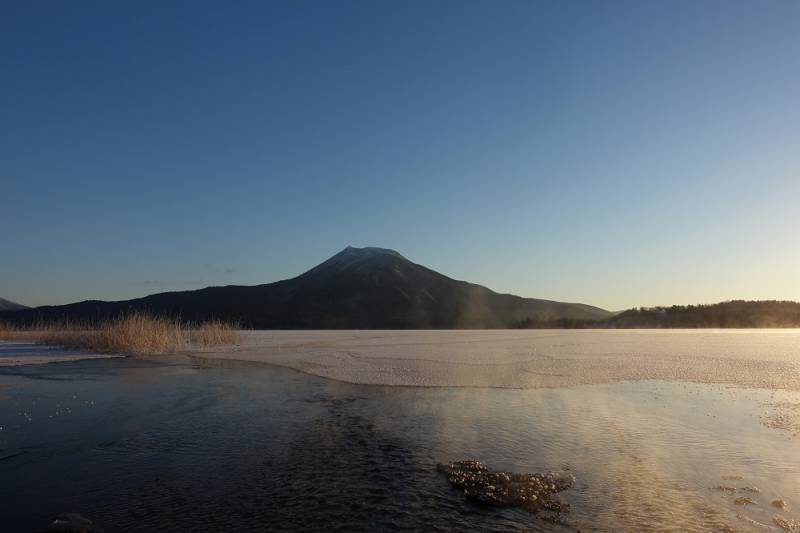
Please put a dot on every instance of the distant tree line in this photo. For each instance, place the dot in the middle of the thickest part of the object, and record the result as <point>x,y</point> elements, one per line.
<point>554,323</point>
<point>731,314</point>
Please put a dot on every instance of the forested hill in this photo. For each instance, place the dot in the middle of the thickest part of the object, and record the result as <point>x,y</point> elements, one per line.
<point>733,314</point>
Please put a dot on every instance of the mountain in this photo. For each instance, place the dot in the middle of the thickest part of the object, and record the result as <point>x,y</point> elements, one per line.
<point>6,305</point>
<point>358,288</point>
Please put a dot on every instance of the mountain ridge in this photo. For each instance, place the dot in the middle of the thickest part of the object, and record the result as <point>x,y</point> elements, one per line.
<point>8,305</point>
<point>357,288</point>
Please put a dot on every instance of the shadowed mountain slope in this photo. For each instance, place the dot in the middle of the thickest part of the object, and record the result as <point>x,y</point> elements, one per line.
<point>7,305</point>
<point>358,288</point>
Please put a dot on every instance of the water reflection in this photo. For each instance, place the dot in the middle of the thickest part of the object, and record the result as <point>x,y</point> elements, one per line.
<point>177,445</point>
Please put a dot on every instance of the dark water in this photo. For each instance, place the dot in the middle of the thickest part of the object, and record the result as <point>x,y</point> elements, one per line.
<point>193,445</point>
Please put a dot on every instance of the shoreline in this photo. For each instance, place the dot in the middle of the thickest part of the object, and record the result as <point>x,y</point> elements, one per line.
<point>21,353</point>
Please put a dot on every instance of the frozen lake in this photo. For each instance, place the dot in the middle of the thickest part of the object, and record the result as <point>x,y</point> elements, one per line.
<point>531,358</point>
<point>30,353</point>
<point>194,444</point>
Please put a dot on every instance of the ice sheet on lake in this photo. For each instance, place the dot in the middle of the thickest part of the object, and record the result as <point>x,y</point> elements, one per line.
<point>28,353</point>
<point>530,358</point>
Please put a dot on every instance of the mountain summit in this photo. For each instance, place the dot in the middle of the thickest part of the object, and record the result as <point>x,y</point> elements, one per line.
<point>351,259</point>
<point>358,288</point>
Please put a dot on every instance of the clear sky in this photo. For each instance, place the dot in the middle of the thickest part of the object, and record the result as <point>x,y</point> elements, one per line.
<point>614,153</point>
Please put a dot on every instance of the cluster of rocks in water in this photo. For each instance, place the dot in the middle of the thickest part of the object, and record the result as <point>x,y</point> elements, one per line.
<point>787,524</point>
<point>507,489</point>
<point>70,523</point>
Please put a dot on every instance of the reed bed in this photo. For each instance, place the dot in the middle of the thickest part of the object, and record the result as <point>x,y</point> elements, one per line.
<point>213,333</point>
<point>135,333</point>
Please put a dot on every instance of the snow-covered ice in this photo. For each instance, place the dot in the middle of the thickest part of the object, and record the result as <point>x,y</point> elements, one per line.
<point>530,358</point>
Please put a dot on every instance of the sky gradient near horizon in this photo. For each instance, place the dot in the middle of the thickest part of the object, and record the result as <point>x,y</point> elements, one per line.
<point>614,153</point>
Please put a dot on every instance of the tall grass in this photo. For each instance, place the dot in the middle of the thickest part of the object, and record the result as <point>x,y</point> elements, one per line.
<point>135,333</point>
<point>213,333</point>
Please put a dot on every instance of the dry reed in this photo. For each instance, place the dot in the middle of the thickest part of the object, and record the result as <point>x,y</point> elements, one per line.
<point>135,333</point>
<point>213,333</point>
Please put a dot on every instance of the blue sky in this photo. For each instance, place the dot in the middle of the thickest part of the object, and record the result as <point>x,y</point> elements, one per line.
<point>615,153</point>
